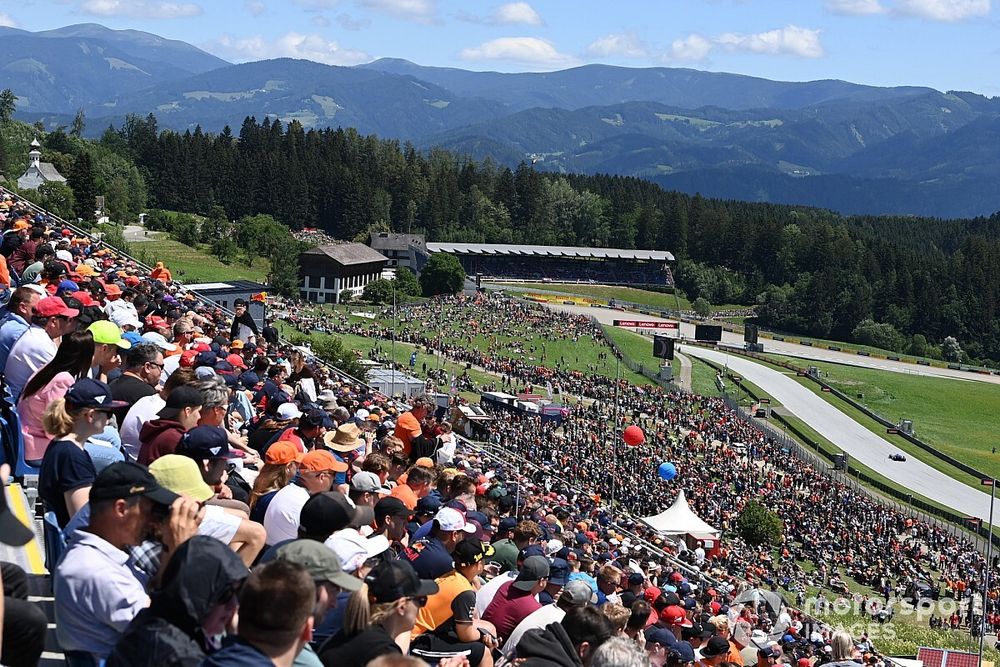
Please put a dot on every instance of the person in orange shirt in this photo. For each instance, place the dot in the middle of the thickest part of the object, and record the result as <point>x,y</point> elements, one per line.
<point>419,481</point>
<point>448,623</point>
<point>160,272</point>
<point>410,426</point>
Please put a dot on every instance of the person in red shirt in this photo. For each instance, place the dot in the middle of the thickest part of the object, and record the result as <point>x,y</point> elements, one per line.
<point>516,599</point>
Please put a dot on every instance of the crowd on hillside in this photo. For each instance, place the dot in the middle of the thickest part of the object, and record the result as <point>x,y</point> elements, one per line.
<point>214,497</point>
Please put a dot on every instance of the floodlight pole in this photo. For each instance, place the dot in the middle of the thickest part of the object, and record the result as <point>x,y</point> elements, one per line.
<point>392,353</point>
<point>614,439</point>
<point>987,568</point>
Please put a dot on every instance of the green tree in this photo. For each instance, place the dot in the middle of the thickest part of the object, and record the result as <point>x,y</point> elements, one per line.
<point>331,349</point>
<point>185,230</point>
<point>81,180</point>
<point>702,307</point>
<point>406,282</point>
<point>8,105</point>
<point>79,124</point>
<point>225,248</point>
<point>284,278</point>
<point>758,525</point>
<point>57,198</point>
<point>951,350</point>
<point>442,274</point>
<point>378,291</point>
<point>918,346</point>
<point>878,334</point>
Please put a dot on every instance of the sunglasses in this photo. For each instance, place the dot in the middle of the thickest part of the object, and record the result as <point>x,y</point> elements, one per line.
<point>420,600</point>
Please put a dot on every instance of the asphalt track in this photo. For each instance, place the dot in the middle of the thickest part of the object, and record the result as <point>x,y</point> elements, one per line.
<point>863,445</point>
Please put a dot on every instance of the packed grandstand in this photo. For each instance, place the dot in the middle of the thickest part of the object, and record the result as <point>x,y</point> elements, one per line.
<point>212,495</point>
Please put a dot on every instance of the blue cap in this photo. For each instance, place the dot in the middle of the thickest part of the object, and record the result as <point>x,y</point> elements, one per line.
<point>67,286</point>
<point>527,552</point>
<point>663,637</point>
<point>558,571</point>
<point>206,442</point>
<point>428,505</point>
<point>683,651</point>
<point>582,539</point>
<point>507,523</point>
<point>205,359</point>
<point>635,579</point>
<point>88,393</point>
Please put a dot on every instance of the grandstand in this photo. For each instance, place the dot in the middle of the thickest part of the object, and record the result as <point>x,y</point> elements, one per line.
<point>610,266</point>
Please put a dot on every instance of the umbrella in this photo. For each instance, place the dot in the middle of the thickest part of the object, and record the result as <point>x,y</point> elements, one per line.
<point>755,596</point>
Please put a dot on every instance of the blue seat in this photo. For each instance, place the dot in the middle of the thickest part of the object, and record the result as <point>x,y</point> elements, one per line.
<point>55,541</point>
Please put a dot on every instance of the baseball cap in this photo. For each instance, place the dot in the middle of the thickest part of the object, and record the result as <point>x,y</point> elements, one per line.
<point>353,548</point>
<point>717,645</point>
<point>53,306</point>
<point>282,452</point>
<point>506,524</point>
<point>12,531</point>
<point>368,481</point>
<point>288,411</point>
<point>319,460</point>
<point>635,579</point>
<point>578,593</point>
<point>125,479</point>
<point>237,361</point>
<point>470,552</point>
<point>125,318</point>
<point>180,474</point>
<point>655,635</point>
<point>559,571</point>
<point>674,615</point>
<point>88,393</point>
<point>391,506</point>
<point>312,418</point>
<point>684,652</point>
<point>108,333</point>
<point>180,398</point>
<point>321,562</point>
<point>424,462</point>
<point>450,519</point>
<point>159,341</point>
<point>428,505</point>
<point>534,569</point>
<point>206,442</point>
<point>392,580</point>
<point>326,513</point>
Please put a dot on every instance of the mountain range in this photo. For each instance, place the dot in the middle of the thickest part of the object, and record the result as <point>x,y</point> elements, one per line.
<point>835,144</point>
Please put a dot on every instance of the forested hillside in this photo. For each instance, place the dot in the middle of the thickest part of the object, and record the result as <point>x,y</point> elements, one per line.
<point>898,282</point>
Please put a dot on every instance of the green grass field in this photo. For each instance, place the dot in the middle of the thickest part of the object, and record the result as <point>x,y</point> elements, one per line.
<point>198,266</point>
<point>952,415</point>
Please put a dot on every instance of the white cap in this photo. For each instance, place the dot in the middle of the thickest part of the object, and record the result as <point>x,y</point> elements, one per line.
<point>449,518</point>
<point>35,287</point>
<point>123,317</point>
<point>288,411</point>
<point>552,547</point>
<point>159,341</point>
<point>362,413</point>
<point>353,549</point>
<point>64,255</point>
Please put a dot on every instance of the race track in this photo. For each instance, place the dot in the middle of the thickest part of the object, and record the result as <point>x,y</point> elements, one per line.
<point>863,445</point>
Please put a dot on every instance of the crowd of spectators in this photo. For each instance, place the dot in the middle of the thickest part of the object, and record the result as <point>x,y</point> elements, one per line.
<point>219,499</point>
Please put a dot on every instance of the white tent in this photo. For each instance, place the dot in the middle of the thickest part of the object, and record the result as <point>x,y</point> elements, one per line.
<point>678,519</point>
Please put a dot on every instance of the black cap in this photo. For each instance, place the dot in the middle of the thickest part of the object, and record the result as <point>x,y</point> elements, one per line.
<point>717,645</point>
<point>12,531</point>
<point>428,505</point>
<point>534,569</point>
<point>391,506</point>
<point>180,398</point>
<point>125,479</point>
<point>326,513</point>
<point>88,393</point>
<point>470,552</point>
<point>507,523</point>
<point>206,442</point>
<point>313,418</point>
<point>396,579</point>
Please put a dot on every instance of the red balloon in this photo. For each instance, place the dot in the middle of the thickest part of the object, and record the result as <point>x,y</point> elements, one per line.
<point>634,436</point>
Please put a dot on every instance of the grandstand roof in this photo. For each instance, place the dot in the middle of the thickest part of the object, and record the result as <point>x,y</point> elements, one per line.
<point>547,251</point>
<point>348,253</point>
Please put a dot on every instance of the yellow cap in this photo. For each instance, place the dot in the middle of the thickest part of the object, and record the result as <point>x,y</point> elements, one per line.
<point>181,475</point>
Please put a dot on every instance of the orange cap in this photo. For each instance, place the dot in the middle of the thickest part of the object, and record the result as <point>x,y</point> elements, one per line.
<point>283,453</point>
<point>424,462</point>
<point>320,460</point>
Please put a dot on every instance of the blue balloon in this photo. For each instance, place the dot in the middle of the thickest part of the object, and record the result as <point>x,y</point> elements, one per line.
<point>667,471</point>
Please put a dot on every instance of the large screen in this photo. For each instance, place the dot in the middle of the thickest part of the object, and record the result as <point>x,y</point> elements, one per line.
<point>708,332</point>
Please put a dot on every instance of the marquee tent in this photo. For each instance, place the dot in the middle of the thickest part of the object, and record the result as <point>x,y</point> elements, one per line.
<point>678,519</point>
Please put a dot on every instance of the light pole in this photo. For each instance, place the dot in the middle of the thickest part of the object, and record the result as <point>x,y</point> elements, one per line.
<point>987,568</point>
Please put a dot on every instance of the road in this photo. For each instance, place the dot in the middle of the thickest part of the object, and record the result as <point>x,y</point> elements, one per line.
<point>684,379</point>
<point>863,445</point>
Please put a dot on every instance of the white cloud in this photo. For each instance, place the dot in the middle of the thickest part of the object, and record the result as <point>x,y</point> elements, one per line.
<point>944,10</point>
<point>855,7</point>
<point>255,7</point>
<point>290,45</point>
<point>347,22</point>
<point>6,21</point>
<point>690,48</point>
<point>622,44</point>
<point>140,9</point>
<point>790,40</point>
<point>315,5</point>
<point>522,50</point>
<point>516,13</point>
<point>422,11</point>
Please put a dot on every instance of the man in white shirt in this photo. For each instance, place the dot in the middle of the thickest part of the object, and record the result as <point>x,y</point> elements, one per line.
<point>96,593</point>
<point>316,475</point>
<point>36,346</point>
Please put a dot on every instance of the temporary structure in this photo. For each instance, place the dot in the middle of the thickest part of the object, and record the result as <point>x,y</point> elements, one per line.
<point>678,519</point>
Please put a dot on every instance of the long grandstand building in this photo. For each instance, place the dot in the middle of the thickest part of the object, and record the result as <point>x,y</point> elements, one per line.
<point>560,263</point>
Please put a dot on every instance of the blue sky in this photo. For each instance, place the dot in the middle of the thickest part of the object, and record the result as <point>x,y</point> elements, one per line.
<point>946,44</point>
